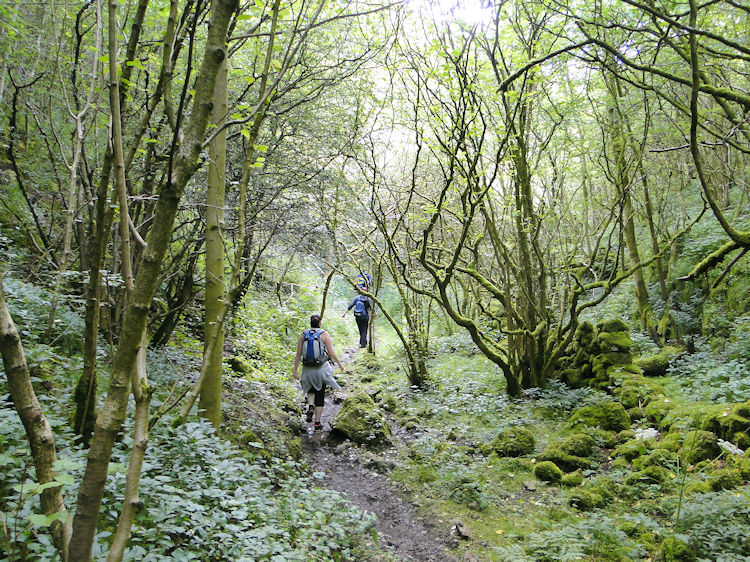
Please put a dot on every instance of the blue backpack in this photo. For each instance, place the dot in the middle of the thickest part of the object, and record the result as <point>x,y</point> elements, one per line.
<point>360,308</point>
<point>314,352</point>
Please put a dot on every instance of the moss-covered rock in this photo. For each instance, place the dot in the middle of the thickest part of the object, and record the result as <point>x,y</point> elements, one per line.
<point>578,444</point>
<point>657,409</point>
<point>389,403</point>
<point>658,457</point>
<point>603,438</point>
<point>649,475</point>
<point>725,479</point>
<point>608,415</point>
<point>564,460</point>
<point>584,499</point>
<point>548,471</point>
<point>656,365</point>
<point>361,421</point>
<point>673,549</point>
<point>697,488</point>
<point>632,449</point>
<point>672,441</point>
<point>742,464</point>
<point>572,479</point>
<point>613,325</point>
<point>239,365</point>
<point>615,341</point>
<point>726,421</point>
<point>604,486</point>
<point>699,446</point>
<point>514,442</point>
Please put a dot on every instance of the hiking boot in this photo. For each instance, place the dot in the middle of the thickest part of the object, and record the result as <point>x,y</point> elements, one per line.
<point>310,413</point>
<point>318,426</point>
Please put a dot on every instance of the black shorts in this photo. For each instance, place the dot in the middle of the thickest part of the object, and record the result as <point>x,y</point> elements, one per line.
<point>320,395</point>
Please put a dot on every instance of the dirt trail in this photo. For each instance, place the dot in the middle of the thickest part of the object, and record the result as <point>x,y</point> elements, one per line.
<point>399,528</point>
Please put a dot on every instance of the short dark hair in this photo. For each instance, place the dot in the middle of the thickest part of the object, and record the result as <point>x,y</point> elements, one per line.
<point>315,321</point>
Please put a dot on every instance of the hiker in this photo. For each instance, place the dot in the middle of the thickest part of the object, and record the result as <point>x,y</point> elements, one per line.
<point>362,307</point>
<point>364,281</point>
<point>315,350</point>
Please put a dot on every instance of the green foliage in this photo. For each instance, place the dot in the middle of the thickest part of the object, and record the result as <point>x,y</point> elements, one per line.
<point>594,538</point>
<point>29,305</point>
<point>722,376</point>
<point>717,524</point>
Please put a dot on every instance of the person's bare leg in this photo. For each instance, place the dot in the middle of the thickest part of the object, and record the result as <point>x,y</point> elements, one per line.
<point>318,413</point>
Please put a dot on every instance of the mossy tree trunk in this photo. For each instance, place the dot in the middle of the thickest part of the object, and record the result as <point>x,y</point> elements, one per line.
<point>38,430</point>
<point>210,398</point>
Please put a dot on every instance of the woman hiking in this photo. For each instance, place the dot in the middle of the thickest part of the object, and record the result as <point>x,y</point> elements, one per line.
<point>314,349</point>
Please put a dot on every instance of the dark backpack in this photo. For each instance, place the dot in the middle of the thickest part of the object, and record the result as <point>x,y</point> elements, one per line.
<point>360,308</point>
<point>314,352</point>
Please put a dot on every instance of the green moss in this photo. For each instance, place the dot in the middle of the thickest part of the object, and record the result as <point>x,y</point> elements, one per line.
<point>602,437</point>
<point>632,449</point>
<point>620,463</point>
<point>240,365</point>
<point>672,441</point>
<point>604,486</point>
<point>613,325</point>
<point>697,488</point>
<point>673,549</point>
<point>636,414</point>
<point>658,408</point>
<point>698,446</point>
<point>742,464</point>
<point>584,499</point>
<point>578,444</point>
<point>607,415</point>
<point>572,479</point>
<point>294,444</point>
<point>389,403</point>
<point>615,341</point>
<point>741,439</point>
<point>658,457</point>
<point>548,471</point>
<point>564,460</point>
<point>425,474</point>
<point>514,442</point>
<point>361,421</point>
<point>656,365</point>
<point>725,479</point>
<point>649,475</point>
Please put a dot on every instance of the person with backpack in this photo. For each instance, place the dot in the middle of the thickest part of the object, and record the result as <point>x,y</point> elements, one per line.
<point>315,351</point>
<point>363,306</point>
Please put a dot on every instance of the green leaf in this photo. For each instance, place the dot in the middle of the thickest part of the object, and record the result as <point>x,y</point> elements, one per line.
<point>39,520</point>
<point>260,147</point>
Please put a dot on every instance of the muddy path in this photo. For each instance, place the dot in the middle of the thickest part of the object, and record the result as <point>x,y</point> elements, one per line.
<point>366,484</point>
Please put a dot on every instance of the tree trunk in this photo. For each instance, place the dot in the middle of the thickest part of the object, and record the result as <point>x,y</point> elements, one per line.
<point>209,404</point>
<point>38,431</point>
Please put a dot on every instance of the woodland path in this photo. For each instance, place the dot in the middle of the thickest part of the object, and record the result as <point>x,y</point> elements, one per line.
<point>398,525</point>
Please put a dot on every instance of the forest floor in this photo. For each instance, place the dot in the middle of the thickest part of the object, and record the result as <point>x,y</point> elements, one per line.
<point>400,529</point>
